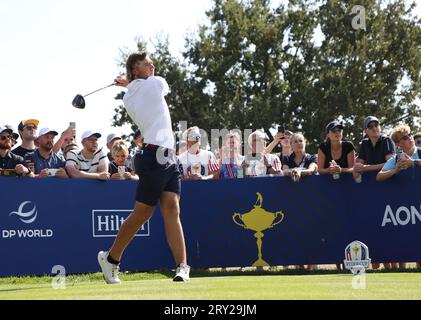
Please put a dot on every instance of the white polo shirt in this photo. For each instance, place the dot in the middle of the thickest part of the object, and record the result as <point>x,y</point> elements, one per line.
<point>145,103</point>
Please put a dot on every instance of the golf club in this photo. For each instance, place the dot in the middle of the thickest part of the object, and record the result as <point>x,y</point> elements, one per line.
<point>79,101</point>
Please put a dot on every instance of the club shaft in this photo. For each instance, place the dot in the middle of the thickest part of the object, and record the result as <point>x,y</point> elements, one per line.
<point>110,85</point>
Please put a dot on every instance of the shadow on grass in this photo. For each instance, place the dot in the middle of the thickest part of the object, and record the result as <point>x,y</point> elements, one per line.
<point>73,279</point>
<point>201,273</point>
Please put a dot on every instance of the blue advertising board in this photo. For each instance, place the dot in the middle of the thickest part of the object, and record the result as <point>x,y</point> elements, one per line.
<point>259,221</point>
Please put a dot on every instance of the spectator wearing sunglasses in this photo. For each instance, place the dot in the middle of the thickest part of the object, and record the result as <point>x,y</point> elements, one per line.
<point>15,136</point>
<point>409,158</point>
<point>375,149</point>
<point>28,132</point>
<point>335,156</point>
<point>10,163</point>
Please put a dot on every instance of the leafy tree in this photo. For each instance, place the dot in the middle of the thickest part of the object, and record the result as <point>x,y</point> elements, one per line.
<point>304,64</point>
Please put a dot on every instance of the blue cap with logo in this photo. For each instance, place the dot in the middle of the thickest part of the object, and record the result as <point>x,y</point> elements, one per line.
<point>333,125</point>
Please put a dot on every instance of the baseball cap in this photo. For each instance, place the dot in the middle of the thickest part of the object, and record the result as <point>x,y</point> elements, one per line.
<point>5,128</point>
<point>45,131</point>
<point>370,119</point>
<point>111,137</point>
<point>24,123</point>
<point>333,125</point>
<point>88,134</point>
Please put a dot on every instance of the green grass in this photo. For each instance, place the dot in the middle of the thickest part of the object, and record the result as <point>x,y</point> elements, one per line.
<point>207,286</point>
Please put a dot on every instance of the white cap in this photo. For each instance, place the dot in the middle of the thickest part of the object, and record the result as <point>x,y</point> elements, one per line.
<point>111,137</point>
<point>3,129</point>
<point>88,134</point>
<point>258,134</point>
<point>44,131</point>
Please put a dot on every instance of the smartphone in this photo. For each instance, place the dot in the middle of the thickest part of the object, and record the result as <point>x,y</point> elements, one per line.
<point>281,129</point>
<point>72,125</point>
<point>52,172</point>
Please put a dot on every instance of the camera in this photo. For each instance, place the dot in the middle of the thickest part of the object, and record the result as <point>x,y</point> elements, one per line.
<point>281,129</point>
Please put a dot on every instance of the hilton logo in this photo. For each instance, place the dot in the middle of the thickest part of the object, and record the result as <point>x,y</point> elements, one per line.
<point>107,223</point>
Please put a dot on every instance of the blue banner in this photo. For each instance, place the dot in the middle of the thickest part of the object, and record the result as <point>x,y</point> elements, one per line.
<point>227,223</point>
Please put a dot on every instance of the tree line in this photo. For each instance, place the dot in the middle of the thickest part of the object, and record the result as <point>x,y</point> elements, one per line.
<point>302,64</point>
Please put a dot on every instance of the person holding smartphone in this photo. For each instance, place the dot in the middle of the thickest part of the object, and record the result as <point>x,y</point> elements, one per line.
<point>282,138</point>
<point>408,158</point>
<point>67,137</point>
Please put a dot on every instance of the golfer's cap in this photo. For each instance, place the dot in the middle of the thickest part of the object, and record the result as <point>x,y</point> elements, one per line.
<point>88,134</point>
<point>45,131</point>
<point>258,134</point>
<point>6,129</point>
<point>333,125</point>
<point>111,137</point>
<point>370,119</point>
<point>137,134</point>
<point>24,123</point>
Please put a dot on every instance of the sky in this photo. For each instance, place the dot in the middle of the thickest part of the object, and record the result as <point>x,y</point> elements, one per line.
<point>53,50</point>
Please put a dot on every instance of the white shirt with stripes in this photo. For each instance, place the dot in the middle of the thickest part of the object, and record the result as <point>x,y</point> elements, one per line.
<point>204,163</point>
<point>76,158</point>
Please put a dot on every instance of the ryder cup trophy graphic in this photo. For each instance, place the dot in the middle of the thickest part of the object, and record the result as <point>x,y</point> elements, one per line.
<point>258,220</point>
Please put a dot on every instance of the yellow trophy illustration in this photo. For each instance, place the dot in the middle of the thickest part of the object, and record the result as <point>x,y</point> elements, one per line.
<point>258,220</point>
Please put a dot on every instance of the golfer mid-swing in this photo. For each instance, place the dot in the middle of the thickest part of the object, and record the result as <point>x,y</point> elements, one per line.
<point>159,180</point>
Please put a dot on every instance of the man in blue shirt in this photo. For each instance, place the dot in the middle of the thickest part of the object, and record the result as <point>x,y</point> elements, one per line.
<point>47,163</point>
<point>408,158</point>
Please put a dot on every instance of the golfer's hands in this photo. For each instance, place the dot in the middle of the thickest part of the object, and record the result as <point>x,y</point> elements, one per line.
<point>121,81</point>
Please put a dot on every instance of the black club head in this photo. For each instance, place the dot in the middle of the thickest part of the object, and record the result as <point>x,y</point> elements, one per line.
<point>79,102</point>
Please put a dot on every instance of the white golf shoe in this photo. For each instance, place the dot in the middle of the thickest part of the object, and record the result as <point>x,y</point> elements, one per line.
<point>109,270</point>
<point>182,273</point>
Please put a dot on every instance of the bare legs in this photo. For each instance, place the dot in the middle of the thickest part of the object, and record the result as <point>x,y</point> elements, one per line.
<point>169,203</point>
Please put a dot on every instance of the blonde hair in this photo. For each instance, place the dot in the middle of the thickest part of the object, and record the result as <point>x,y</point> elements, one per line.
<point>297,135</point>
<point>399,132</point>
<point>234,135</point>
<point>119,146</point>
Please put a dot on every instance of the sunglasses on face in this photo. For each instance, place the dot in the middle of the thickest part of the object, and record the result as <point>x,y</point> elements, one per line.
<point>418,142</point>
<point>407,137</point>
<point>29,128</point>
<point>5,138</point>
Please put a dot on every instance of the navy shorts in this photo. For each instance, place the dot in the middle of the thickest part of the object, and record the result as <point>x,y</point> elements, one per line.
<point>156,178</point>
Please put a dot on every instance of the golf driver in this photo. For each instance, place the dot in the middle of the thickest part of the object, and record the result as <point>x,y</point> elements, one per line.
<point>79,101</point>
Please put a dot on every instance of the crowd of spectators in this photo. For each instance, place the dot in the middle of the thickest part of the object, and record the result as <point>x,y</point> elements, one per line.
<point>41,155</point>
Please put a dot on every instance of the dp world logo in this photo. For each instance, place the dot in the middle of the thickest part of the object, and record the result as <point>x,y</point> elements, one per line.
<point>27,213</point>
